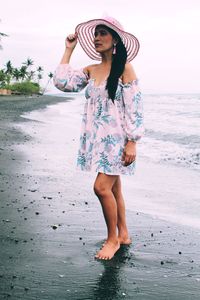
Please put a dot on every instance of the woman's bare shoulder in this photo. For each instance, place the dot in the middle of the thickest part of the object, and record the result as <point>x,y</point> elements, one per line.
<point>129,73</point>
<point>89,68</point>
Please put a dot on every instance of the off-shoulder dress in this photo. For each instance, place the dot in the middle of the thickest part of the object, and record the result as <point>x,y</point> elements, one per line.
<point>106,126</point>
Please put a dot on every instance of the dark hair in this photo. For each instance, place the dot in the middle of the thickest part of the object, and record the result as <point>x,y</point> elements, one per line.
<point>118,64</point>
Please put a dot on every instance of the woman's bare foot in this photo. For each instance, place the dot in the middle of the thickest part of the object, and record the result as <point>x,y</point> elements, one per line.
<point>123,237</point>
<point>108,250</point>
<point>122,240</point>
<point>125,240</point>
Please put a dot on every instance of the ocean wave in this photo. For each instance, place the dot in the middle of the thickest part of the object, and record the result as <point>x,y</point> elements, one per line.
<point>192,141</point>
<point>166,151</point>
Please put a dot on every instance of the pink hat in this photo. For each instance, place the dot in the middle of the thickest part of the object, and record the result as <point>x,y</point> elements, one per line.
<point>86,37</point>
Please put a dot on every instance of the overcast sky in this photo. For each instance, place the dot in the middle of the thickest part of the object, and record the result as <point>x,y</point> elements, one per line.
<point>168,31</point>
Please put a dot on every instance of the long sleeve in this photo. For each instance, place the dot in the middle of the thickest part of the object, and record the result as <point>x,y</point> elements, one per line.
<point>133,111</point>
<point>67,79</point>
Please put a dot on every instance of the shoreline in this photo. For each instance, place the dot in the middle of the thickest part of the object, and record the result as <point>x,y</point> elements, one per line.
<point>39,188</point>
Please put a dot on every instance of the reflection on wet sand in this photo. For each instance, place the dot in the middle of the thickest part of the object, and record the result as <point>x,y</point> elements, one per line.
<point>109,284</point>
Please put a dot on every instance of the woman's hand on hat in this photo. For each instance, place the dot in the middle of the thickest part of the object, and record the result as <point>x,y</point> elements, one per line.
<point>71,41</point>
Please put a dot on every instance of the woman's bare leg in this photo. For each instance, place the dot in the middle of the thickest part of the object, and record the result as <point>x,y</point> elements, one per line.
<point>121,214</point>
<point>103,189</point>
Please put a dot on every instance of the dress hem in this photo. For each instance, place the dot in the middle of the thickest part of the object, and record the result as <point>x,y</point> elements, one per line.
<point>114,174</point>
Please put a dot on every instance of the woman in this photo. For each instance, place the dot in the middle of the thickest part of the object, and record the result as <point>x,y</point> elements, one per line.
<point>113,118</point>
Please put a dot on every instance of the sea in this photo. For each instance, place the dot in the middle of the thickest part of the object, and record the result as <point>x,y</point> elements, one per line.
<point>166,183</point>
<point>172,128</point>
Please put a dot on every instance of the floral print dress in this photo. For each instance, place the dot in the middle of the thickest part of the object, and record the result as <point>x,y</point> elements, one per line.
<point>106,126</point>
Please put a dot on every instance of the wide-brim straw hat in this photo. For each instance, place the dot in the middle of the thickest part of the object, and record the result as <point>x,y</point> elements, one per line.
<point>86,30</point>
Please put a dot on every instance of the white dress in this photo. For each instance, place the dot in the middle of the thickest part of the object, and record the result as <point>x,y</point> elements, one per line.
<point>106,126</point>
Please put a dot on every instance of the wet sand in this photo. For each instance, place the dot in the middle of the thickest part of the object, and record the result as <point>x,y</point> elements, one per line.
<point>52,224</point>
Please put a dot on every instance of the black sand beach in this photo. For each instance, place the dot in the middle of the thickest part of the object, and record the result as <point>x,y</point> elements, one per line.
<point>52,226</point>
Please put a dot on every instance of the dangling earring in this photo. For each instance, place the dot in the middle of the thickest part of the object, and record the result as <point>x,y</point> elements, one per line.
<point>114,49</point>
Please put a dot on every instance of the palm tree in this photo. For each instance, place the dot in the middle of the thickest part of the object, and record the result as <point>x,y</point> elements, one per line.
<point>9,68</point>
<point>39,75</point>
<point>16,74</point>
<point>30,75</point>
<point>3,78</point>
<point>28,62</point>
<point>9,72</point>
<point>23,72</point>
<point>2,34</point>
<point>40,69</point>
<point>50,75</point>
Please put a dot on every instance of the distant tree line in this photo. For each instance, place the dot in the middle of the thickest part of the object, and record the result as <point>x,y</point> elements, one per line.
<point>24,79</point>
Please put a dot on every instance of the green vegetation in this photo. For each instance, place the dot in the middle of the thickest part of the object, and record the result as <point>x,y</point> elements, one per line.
<point>24,87</point>
<point>23,80</point>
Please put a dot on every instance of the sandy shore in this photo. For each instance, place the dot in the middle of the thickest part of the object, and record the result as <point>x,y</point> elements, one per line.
<point>52,224</point>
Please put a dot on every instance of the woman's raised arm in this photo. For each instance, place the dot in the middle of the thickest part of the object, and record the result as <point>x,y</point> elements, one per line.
<point>70,44</point>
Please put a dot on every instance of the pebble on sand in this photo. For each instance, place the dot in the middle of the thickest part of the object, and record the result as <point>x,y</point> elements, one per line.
<point>32,190</point>
<point>54,226</point>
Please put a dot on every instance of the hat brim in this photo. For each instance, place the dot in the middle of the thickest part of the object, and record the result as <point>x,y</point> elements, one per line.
<point>85,33</point>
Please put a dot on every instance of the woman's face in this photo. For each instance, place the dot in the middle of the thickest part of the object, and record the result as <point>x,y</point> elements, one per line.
<point>103,40</point>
